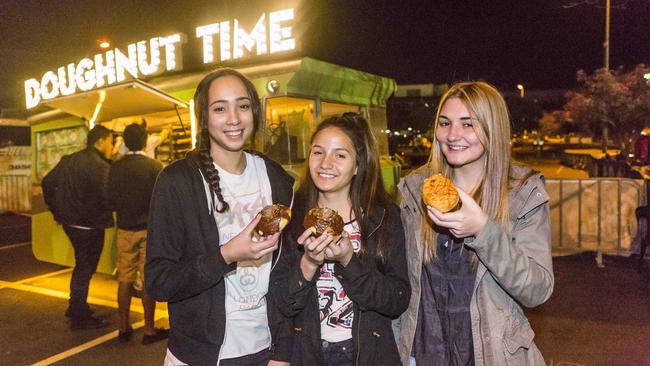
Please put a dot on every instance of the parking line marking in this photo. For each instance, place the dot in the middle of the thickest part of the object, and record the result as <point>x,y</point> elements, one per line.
<point>17,245</point>
<point>46,275</point>
<point>65,295</point>
<point>95,342</point>
<point>83,347</point>
<point>58,294</point>
<point>21,286</point>
<point>4,284</point>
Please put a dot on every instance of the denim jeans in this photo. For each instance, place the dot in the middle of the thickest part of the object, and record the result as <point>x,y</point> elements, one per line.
<point>88,245</point>
<point>338,353</point>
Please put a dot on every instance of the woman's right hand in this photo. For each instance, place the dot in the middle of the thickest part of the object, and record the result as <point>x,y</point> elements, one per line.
<point>243,248</point>
<point>314,252</point>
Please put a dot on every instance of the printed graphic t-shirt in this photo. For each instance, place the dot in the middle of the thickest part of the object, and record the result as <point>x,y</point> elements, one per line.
<point>247,330</point>
<point>336,312</point>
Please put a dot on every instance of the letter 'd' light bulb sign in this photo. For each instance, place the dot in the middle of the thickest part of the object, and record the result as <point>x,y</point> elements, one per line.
<point>146,58</point>
<point>271,34</point>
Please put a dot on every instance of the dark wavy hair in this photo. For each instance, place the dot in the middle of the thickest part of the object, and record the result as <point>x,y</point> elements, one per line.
<point>135,137</point>
<point>95,134</point>
<point>367,192</point>
<point>201,100</point>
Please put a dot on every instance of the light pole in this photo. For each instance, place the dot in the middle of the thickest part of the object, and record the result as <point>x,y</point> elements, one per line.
<point>606,49</point>
<point>521,90</point>
<point>606,43</point>
<point>608,7</point>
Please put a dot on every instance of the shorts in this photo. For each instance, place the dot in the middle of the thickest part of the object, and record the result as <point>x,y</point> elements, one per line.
<point>131,254</point>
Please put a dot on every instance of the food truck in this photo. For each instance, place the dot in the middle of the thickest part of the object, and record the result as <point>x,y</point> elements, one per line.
<point>145,80</point>
<point>15,160</point>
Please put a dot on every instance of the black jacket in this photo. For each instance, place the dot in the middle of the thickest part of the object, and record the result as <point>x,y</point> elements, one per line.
<point>85,181</point>
<point>378,295</point>
<point>185,267</point>
<point>130,184</point>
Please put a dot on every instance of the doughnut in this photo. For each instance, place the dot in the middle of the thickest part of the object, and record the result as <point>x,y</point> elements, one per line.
<point>324,220</point>
<point>274,219</point>
<point>440,193</point>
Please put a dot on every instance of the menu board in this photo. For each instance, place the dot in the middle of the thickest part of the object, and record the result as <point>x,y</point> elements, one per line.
<point>15,160</point>
<point>53,144</point>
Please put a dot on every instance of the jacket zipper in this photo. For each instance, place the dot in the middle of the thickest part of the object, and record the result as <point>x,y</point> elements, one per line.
<point>383,215</point>
<point>277,259</point>
<point>358,350</point>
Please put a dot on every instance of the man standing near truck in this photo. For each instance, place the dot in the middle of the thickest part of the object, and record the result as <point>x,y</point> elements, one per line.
<point>75,192</point>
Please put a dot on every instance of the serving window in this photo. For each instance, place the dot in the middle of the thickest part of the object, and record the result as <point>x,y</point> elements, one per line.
<point>287,127</point>
<point>53,144</point>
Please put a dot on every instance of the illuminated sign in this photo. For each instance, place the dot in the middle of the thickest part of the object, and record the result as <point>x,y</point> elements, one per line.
<point>143,58</point>
<point>233,39</point>
<point>270,34</point>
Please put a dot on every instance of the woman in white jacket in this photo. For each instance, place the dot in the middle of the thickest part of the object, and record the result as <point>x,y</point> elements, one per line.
<point>472,269</point>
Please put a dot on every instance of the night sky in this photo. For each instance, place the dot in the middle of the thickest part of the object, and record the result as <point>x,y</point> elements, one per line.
<point>539,43</point>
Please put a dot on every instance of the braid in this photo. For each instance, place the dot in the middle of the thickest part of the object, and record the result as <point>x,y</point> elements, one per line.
<point>211,173</point>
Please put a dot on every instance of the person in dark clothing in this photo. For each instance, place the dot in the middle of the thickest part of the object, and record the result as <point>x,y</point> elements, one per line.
<point>343,295</point>
<point>88,215</point>
<point>202,257</point>
<point>130,184</point>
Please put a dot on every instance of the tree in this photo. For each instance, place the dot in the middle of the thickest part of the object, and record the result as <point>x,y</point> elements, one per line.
<point>611,99</point>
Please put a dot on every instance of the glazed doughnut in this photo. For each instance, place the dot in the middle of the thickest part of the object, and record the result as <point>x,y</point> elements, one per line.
<point>274,219</point>
<point>324,220</point>
<point>440,193</point>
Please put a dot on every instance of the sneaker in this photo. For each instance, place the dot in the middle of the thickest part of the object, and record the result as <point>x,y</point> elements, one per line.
<point>158,336</point>
<point>88,322</point>
<point>125,336</point>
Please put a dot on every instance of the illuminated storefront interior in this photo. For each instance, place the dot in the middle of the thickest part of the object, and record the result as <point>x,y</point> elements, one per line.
<point>145,81</point>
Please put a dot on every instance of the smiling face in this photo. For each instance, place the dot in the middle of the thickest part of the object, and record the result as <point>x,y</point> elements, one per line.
<point>230,117</point>
<point>457,138</point>
<point>332,161</point>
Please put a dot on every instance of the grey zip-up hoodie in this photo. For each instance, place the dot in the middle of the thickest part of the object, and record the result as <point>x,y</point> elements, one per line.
<point>515,269</point>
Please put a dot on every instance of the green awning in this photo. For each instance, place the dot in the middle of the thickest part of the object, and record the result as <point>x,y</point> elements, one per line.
<point>340,84</point>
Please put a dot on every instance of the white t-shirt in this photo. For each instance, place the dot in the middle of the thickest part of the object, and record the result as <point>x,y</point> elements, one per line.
<point>336,311</point>
<point>247,330</point>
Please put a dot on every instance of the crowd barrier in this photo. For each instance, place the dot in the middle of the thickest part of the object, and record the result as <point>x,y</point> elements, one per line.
<point>595,214</point>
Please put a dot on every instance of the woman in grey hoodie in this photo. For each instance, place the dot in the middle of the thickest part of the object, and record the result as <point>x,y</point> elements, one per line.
<point>472,269</point>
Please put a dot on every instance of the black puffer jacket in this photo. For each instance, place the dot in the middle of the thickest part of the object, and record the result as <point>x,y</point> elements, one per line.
<point>378,295</point>
<point>85,182</point>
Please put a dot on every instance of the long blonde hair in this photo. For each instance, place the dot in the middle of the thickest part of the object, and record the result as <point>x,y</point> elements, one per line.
<point>487,106</point>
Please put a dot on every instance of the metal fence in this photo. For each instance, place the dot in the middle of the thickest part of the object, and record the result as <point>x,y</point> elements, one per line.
<point>595,214</point>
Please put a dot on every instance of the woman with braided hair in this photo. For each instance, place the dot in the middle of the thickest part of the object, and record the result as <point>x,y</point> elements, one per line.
<point>202,256</point>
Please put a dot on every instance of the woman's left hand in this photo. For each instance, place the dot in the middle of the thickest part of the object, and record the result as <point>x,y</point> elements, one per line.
<point>340,251</point>
<point>469,220</point>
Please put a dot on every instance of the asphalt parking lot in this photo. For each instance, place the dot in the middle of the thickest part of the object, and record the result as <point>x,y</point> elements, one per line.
<point>596,316</point>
